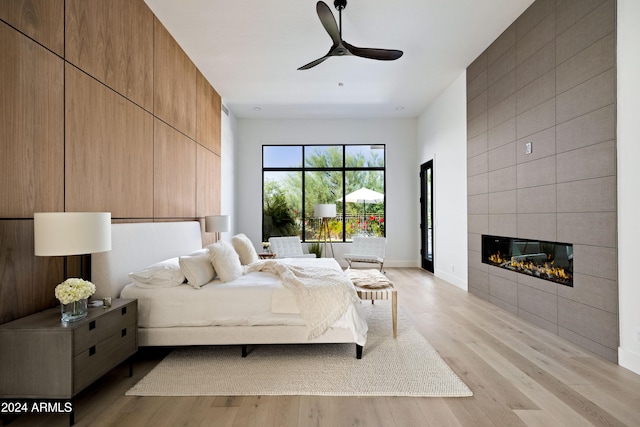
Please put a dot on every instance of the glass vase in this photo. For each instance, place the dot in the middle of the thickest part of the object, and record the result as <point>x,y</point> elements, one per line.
<point>74,311</point>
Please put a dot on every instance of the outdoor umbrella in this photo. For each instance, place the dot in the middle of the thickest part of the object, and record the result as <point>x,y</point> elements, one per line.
<point>364,196</point>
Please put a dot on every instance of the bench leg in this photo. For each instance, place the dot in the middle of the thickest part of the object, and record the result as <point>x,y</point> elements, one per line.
<point>358,351</point>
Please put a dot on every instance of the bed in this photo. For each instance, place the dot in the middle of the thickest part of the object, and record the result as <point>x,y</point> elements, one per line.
<point>253,309</point>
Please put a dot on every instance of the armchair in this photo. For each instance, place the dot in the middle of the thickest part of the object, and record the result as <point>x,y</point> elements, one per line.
<point>367,249</point>
<point>288,247</point>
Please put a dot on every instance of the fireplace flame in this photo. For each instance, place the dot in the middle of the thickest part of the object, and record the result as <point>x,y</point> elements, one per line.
<point>529,267</point>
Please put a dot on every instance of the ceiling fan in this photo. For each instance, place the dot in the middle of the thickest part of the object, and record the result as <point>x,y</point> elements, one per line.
<point>341,47</point>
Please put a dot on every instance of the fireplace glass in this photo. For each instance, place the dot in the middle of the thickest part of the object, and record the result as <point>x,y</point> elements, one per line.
<point>551,261</point>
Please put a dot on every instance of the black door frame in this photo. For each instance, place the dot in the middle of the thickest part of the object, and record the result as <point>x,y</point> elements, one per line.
<point>427,234</point>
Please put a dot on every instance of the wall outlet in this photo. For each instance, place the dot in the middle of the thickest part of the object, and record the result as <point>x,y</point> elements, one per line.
<point>528,148</point>
<point>453,267</point>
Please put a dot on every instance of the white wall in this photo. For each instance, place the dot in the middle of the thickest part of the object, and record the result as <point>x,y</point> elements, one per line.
<point>442,136</point>
<point>402,181</point>
<point>228,172</point>
<point>628,182</point>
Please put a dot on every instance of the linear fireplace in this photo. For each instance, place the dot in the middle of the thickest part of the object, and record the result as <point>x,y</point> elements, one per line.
<point>551,261</point>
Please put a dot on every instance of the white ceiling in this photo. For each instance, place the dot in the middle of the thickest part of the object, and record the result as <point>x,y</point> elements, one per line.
<point>250,50</point>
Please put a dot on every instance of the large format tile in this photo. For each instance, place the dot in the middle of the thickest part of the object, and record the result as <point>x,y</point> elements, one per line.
<point>591,95</point>
<point>594,161</point>
<point>597,325</point>
<point>543,144</point>
<point>537,302</point>
<point>501,134</point>
<point>595,261</point>
<point>537,173</point>
<point>596,126</point>
<point>537,65</point>
<point>540,226</point>
<point>535,93</point>
<point>541,199</point>
<point>588,195</point>
<point>595,25</point>
<point>542,34</point>
<point>596,229</point>
<point>594,60</point>
<point>592,291</point>
<point>536,119</point>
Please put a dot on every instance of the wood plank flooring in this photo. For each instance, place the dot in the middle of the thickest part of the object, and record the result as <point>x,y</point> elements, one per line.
<point>521,375</point>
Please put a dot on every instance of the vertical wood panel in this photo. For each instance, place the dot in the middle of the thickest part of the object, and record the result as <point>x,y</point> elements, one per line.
<point>113,41</point>
<point>42,20</point>
<point>209,120</point>
<point>174,173</point>
<point>31,127</point>
<point>109,154</point>
<point>208,183</point>
<point>174,83</point>
<point>27,282</point>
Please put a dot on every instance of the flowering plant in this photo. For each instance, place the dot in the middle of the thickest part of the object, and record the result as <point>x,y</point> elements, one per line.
<point>72,290</point>
<point>266,246</point>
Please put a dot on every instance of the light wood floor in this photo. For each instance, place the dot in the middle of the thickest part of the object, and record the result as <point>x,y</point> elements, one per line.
<point>520,375</point>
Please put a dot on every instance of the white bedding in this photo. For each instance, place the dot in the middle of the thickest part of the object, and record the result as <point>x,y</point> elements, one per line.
<point>256,298</point>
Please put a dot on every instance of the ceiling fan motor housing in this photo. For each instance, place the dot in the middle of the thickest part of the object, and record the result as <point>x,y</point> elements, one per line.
<point>340,4</point>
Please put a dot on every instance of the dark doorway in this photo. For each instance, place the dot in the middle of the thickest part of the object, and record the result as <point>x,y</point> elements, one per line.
<point>426,215</point>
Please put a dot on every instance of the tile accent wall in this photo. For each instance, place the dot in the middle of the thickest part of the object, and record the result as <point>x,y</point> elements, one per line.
<point>548,80</point>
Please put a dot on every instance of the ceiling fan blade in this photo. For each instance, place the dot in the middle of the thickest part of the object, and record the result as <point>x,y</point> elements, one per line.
<point>328,21</point>
<point>313,63</point>
<point>380,54</point>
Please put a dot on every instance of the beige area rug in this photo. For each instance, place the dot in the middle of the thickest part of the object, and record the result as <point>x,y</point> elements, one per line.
<point>406,366</point>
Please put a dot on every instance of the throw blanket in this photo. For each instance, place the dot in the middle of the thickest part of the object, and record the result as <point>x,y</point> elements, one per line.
<point>323,294</point>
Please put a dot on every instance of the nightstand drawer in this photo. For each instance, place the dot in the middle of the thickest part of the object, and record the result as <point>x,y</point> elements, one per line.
<point>98,359</point>
<point>99,328</point>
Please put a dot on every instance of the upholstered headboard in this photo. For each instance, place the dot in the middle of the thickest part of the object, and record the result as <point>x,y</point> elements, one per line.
<point>135,246</point>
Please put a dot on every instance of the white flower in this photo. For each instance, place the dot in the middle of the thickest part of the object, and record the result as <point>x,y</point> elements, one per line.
<point>74,290</point>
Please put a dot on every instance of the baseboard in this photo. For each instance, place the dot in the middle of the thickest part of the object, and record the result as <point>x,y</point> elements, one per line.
<point>629,360</point>
<point>456,281</point>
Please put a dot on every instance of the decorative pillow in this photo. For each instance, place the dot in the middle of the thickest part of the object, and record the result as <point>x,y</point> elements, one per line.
<point>197,268</point>
<point>245,249</point>
<point>225,261</point>
<point>163,274</point>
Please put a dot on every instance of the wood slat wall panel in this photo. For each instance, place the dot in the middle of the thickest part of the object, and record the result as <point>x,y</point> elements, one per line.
<point>209,109</point>
<point>109,155</point>
<point>174,173</point>
<point>77,133</point>
<point>174,83</point>
<point>31,127</point>
<point>208,183</point>
<point>27,282</point>
<point>42,20</point>
<point>113,41</point>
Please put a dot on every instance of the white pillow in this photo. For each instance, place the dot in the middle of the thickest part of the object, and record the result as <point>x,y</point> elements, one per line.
<point>197,268</point>
<point>164,274</point>
<point>245,249</point>
<point>225,261</point>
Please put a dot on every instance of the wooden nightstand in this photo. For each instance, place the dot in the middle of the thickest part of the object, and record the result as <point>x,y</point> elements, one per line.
<point>42,358</point>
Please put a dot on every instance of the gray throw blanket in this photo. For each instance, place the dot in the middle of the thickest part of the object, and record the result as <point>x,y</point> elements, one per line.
<point>323,294</point>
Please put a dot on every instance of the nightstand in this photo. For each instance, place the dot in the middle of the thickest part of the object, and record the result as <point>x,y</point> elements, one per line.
<point>42,358</point>
<point>266,255</point>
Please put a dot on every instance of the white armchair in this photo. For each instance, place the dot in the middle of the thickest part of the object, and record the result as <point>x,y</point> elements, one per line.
<point>367,249</point>
<point>288,247</point>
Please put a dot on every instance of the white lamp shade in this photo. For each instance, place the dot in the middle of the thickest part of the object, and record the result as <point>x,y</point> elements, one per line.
<point>216,223</point>
<point>324,210</point>
<point>71,233</point>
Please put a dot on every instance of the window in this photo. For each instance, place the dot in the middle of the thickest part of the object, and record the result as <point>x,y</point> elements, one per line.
<point>297,177</point>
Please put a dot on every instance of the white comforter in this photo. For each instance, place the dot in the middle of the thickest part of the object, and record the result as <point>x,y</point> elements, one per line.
<point>257,298</point>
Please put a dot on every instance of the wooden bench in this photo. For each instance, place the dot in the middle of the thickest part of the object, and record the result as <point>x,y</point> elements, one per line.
<point>374,285</point>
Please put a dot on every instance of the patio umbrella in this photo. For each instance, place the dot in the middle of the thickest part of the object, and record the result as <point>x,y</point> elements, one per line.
<point>364,196</point>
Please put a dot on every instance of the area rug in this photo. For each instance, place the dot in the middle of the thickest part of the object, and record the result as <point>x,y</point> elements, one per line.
<point>406,366</point>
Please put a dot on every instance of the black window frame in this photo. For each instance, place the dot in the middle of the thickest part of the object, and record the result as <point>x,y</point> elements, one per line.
<point>344,169</point>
